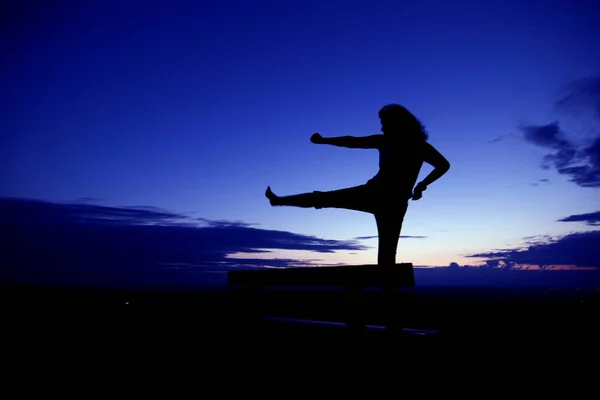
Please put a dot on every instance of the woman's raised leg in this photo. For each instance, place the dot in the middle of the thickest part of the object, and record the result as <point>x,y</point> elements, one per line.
<point>357,198</point>
<point>305,200</point>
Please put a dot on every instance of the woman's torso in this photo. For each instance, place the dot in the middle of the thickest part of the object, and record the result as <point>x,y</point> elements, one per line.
<point>399,166</point>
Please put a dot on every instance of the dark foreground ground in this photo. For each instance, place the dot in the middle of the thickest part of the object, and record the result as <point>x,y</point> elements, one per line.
<point>458,330</point>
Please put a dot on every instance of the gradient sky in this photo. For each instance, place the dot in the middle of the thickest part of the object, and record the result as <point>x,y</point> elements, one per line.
<point>195,107</point>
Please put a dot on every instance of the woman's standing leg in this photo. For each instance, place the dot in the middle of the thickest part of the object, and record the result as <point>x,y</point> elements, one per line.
<point>389,225</point>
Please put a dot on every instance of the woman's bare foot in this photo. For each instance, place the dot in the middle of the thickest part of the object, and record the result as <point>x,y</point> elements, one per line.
<point>271,196</point>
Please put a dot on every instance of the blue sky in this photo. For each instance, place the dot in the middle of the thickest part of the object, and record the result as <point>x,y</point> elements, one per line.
<point>195,107</point>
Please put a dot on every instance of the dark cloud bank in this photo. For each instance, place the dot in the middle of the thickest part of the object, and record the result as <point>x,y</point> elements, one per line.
<point>81,243</point>
<point>578,160</point>
<point>88,244</point>
<point>580,249</point>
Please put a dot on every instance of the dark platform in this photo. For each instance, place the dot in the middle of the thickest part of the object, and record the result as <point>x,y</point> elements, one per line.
<point>299,293</point>
<point>354,275</point>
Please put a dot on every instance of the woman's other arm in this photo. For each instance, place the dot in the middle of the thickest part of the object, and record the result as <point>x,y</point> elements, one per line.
<point>440,167</point>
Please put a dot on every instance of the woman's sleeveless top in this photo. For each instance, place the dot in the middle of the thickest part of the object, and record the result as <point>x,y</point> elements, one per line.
<point>399,167</point>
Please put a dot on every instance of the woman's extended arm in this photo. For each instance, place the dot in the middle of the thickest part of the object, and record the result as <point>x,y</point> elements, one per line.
<point>352,142</point>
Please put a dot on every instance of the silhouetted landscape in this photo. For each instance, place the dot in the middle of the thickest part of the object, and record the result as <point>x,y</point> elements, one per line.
<point>474,318</point>
<point>60,287</point>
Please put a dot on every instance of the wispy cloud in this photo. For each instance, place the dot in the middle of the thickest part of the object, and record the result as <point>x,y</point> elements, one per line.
<point>592,219</point>
<point>543,181</point>
<point>500,138</point>
<point>88,200</point>
<point>496,140</point>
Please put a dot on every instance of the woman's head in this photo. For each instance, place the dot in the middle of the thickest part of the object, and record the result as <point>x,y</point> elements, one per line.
<point>397,120</point>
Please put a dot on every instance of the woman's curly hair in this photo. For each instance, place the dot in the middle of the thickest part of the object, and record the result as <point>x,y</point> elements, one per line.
<point>397,116</point>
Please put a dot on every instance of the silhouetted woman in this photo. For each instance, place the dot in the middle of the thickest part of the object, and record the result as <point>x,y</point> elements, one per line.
<point>402,149</point>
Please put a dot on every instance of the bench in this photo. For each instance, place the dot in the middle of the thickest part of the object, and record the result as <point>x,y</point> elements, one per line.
<point>356,296</point>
